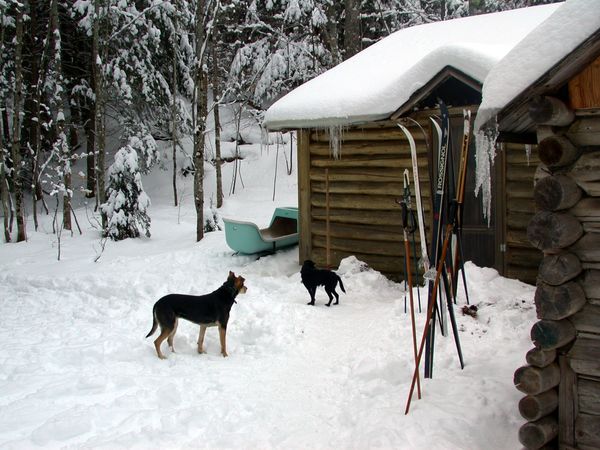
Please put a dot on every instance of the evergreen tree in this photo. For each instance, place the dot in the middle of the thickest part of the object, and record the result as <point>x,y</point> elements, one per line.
<point>127,204</point>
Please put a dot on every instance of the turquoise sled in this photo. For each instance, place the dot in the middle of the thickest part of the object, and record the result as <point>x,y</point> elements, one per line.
<point>247,238</point>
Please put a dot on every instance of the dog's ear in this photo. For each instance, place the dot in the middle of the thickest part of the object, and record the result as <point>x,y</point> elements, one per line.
<point>231,275</point>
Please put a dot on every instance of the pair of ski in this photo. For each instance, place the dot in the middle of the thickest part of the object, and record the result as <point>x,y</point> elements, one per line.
<point>435,265</point>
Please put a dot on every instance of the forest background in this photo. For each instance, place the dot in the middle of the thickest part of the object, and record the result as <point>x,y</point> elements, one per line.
<point>96,83</point>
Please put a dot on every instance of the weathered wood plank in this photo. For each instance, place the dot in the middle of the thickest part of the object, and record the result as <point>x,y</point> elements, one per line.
<point>385,264</point>
<point>587,248</point>
<point>558,302</point>
<point>364,174</point>
<point>518,221</point>
<point>588,319</point>
<point>587,430</point>
<point>362,202</point>
<point>351,149</point>
<point>585,131</point>
<point>359,162</point>
<point>535,380</point>
<point>356,216</point>
<point>584,356</point>
<point>360,232</point>
<point>591,283</point>
<point>589,396</point>
<point>524,257</point>
<point>523,205</point>
<point>395,249</point>
<point>586,173</point>
<point>567,399</point>
<point>518,239</point>
<point>361,188</point>
<point>304,222</point>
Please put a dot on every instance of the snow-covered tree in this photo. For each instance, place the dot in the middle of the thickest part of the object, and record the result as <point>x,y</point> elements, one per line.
<point>127,203</point>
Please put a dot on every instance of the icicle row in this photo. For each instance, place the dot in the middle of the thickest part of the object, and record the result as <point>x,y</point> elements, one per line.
<point>484,156</point>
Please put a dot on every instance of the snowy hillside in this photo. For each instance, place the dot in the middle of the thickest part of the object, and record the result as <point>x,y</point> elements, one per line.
<point>76,371</point>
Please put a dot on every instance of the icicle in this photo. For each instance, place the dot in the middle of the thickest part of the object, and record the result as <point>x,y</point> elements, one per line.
<point>264,139</point>
<point>335,140</point>
<point>485,141</point>
<point>528,152</point>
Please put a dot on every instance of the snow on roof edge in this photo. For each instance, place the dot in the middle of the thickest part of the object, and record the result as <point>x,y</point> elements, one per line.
<point>385,82</point>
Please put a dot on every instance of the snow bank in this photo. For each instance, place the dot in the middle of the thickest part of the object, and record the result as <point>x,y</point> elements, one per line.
<point>377,81</point>
<point>77,372</point>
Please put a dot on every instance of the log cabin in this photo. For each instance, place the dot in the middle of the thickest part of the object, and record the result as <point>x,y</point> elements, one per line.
<point>352,154</point>
<point>555,106</point>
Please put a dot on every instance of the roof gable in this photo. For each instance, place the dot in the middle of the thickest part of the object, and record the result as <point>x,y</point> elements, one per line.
<point>376,82</point>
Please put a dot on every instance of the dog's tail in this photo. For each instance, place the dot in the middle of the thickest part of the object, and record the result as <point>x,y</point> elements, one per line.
<point>154,325</point>
<point>341,284</point>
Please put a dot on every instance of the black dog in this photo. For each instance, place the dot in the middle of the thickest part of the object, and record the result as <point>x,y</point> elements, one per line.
<point>313,278</point>
<point>205,310</point>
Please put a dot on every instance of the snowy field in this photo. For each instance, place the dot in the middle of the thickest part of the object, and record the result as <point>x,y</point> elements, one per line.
<point>77,372</point>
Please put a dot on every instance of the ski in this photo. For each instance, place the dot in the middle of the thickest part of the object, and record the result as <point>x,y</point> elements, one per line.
<point>435,264</point>
<point>421,221</point>
<point>459,263</point>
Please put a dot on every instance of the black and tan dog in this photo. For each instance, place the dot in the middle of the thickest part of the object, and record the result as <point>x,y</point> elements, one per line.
<point>205,310</point>
<point>313,278</point>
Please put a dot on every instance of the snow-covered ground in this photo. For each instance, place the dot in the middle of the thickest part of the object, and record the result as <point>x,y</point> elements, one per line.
<point>77,372</point>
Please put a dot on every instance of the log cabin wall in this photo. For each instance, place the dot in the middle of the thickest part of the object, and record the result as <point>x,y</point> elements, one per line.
<point>366,180</point>
<point>562,378</point>
<point>520,260</point>
<point>364,184</point>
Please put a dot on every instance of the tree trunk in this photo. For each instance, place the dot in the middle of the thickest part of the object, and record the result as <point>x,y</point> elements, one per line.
<point>90,151</point>
<point>99,50</point>
<point>16,132</point>
<point>352,37</point>
<point>200,125</point>
<point>174,136</point>
<point>216,99</point>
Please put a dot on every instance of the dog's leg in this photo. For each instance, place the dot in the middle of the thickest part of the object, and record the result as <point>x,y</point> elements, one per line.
<point>222,338</point>
<point>201,339</point>
<point>172,336</point>
<point>164,333</point>
<point>337,297</point>
<point>330,297</point>
<point>312,292</point>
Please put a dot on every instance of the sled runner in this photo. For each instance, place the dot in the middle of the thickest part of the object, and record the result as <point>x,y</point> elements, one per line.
<point>247,238</point>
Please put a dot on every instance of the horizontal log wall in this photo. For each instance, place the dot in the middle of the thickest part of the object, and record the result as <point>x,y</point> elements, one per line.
<point>566,228</point>
<point>521,259</point>
<point>363,185</point>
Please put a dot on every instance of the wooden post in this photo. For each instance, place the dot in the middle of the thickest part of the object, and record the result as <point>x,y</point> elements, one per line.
<point>327,229</point>
<point>559,268</point>
<point>540,358</point>
<point>557,151</point>
<point>536,434</point>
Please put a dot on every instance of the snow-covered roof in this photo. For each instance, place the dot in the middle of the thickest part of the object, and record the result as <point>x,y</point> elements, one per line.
<point>373,84</point>
<point>567,28</point>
